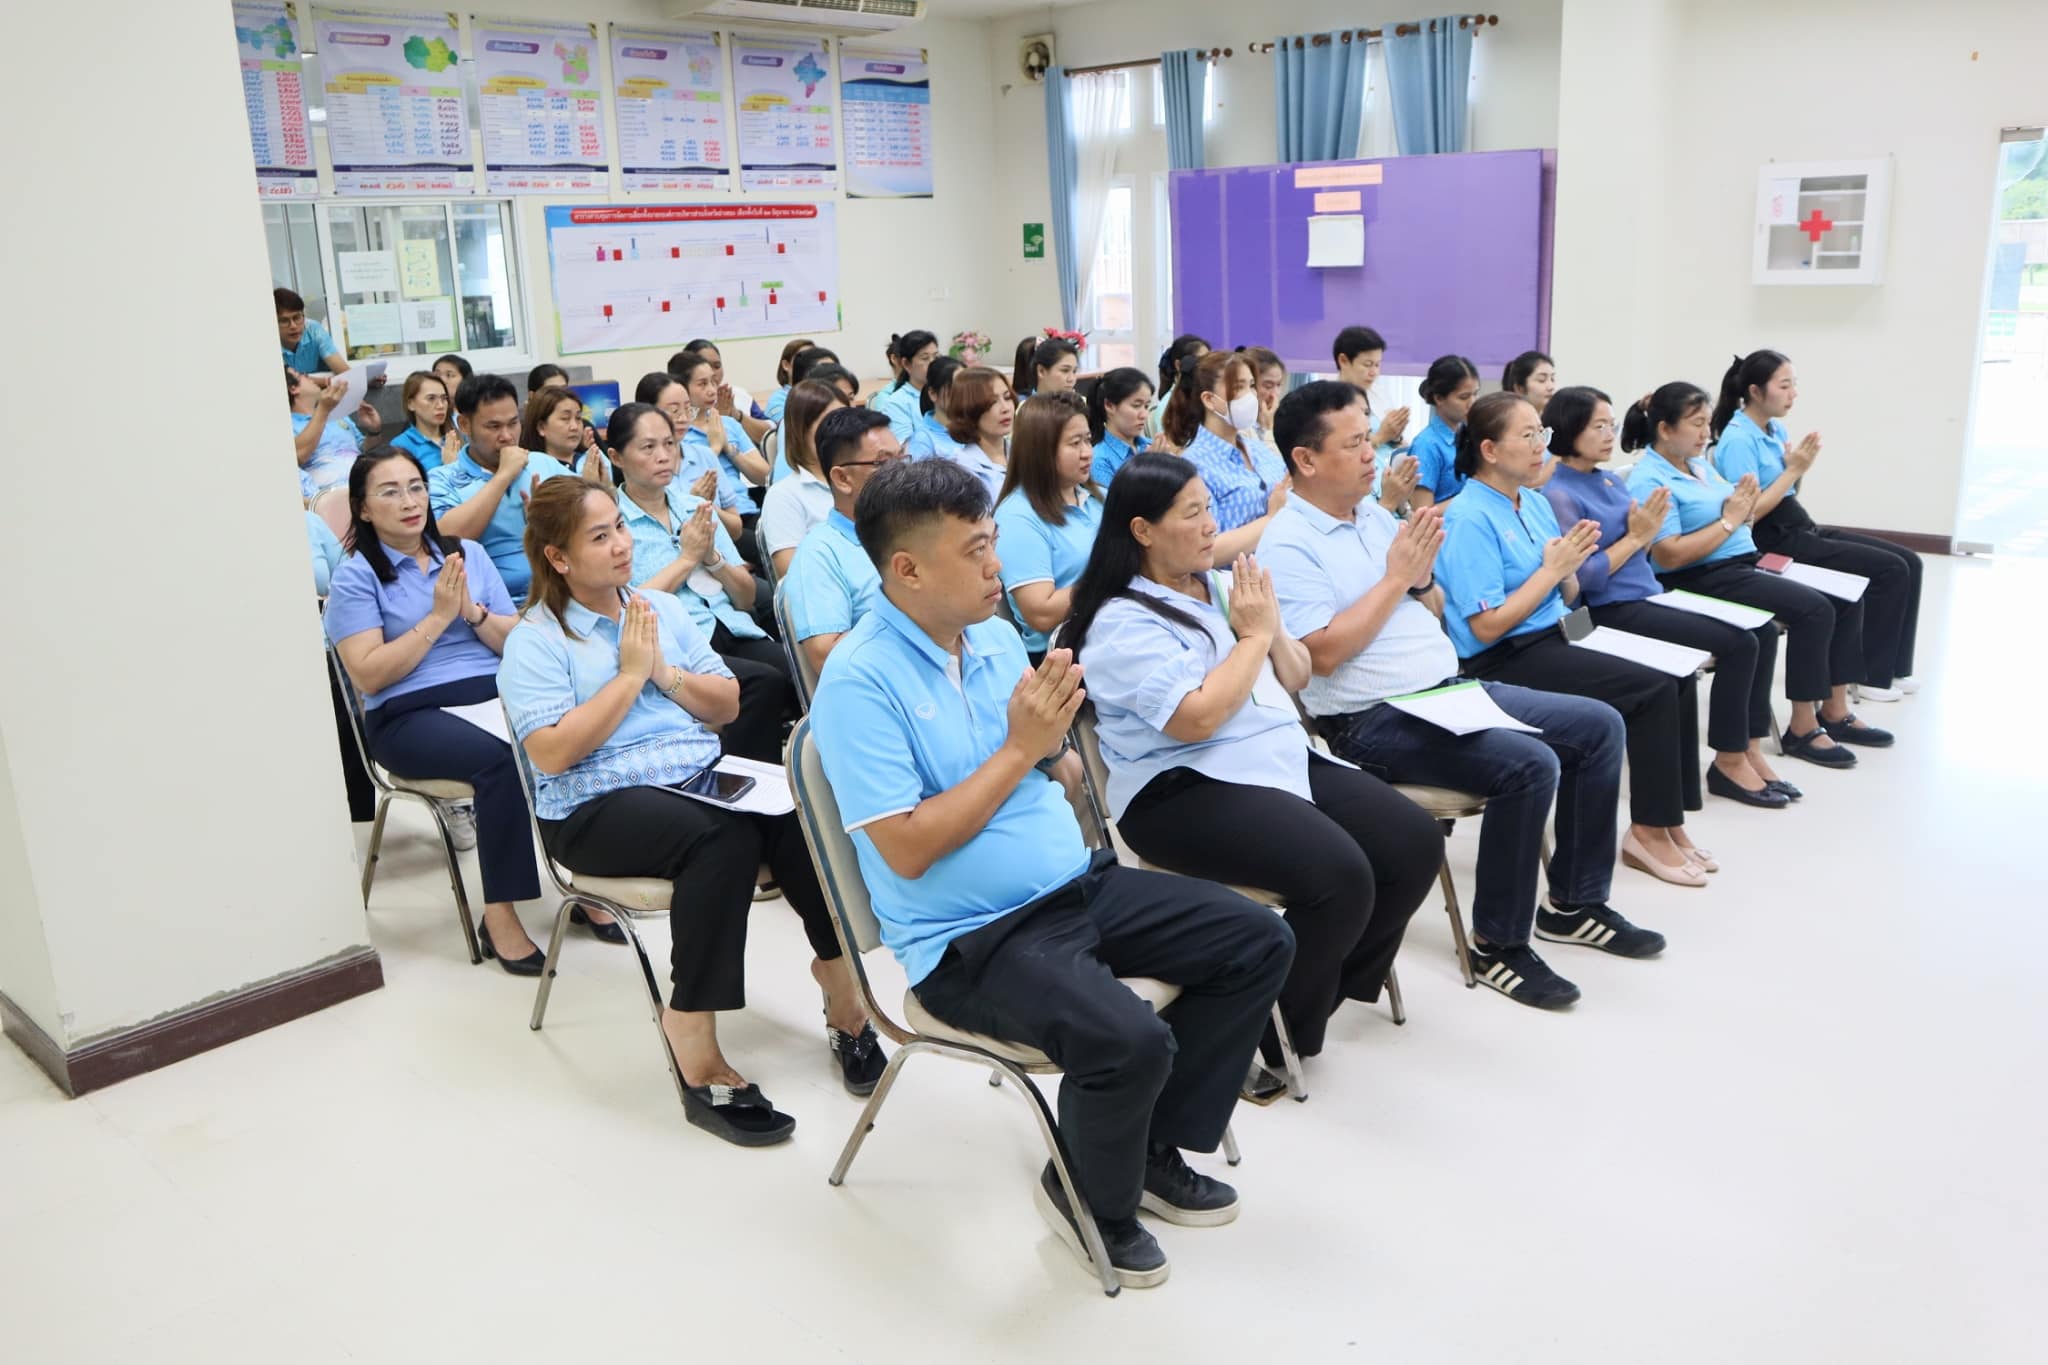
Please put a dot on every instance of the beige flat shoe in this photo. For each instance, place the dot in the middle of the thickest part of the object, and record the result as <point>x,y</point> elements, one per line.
<point>1634,855</point>
<point>1701,858</point>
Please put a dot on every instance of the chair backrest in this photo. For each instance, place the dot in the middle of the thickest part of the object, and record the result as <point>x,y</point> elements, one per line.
<point>352,703</point>
<point>524,766</point>
<point>1095,771</point>
<point>800,670</point>
<point>331,506</point>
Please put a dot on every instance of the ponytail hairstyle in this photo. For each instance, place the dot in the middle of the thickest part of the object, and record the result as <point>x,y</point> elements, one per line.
<point>1515,378</point>
<point>1671,404</point>
<point>1446,373</point>
<point>1048,354</point>
<point>1022,375</point>
<point>937,380</point>
<point>362,536</point>
<point>554,514</point>
<point>789,353</point>
<point>1215,373</point>
<point>1488,421</point>
<point>1568,413</point>
<point>1145,486</point>
<point>1752,371</point>
<point>902,348</point>
<point>1110,390</point>
<point>1185,347</point>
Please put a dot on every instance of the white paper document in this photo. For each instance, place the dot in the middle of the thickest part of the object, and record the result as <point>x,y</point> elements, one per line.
<point>1680,661</point>
<point>768,796</point>
<point>1336,241</point>
<point>1847,586</point>
<point>355,387</point>
<point>367,272</point>
<point>1734,613</point>
<point>1463,709</point>
<point>488,716</point>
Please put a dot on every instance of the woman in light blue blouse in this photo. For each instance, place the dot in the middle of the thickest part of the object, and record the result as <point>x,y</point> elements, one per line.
<point>1209,421</point>
<point>914,353</point>
<point>1210,770</point>
<point>930,437</point>
<point>429,435</point>
<point>1448,390</point>
<point>1119,406</point>
<point>1048,514</point>
<point>612,695</point>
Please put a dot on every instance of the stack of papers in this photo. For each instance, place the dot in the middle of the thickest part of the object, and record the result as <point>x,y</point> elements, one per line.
<point>1847,586</point>
<point>1734,613</point>
<point>770,792</point>
<point>1680,661</point>
<point>488,716</point>
<point>1463,709</point>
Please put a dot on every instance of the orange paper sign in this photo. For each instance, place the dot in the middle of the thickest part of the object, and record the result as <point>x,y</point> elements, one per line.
<point>1339,201</point>
<point>1330,177</point>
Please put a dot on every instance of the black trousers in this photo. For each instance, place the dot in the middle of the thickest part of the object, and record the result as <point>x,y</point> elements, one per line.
<point>1891,604</point>
<point>1824,635</point>
<point>1352,868</point>
<point>1046,975</point>
<point>767,696</point>
<point>1745,661</point>
<point>711,856</point>
<point>1663,773</point>
<point>412,737</point>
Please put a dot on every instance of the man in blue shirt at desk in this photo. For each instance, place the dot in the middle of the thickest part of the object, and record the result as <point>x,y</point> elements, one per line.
<point>482,496</point>
<point>931,728</point>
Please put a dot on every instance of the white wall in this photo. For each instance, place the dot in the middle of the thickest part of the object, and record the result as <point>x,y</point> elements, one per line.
<point>179,825</point>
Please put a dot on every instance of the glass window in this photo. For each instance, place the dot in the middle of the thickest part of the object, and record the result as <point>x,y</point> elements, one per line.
<point>1162,260</point>
<point>1208,95</point>
<point>427,278</point>
<point>293,234</point>
<point>1113,302</point>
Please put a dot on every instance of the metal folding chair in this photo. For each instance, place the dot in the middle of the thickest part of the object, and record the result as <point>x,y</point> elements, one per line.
<point>430,792</point>
<point>853,919</point>
<point>800,671</point>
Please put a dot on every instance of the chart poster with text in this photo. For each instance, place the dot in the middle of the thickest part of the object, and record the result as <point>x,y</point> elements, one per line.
<point>628,275</point>
<point>885,103</point>
<point>668,93</point>
<point>541,97</point>
<point>267,39</point>
<point>788,135</point>
<point>397,120</point>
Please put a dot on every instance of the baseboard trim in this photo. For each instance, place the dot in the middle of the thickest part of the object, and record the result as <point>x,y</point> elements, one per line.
<point>201,1028</point>
<point>1920,542</point>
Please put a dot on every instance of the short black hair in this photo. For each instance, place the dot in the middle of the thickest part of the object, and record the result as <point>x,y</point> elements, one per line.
<point>1356,341</point>
<point>1303,417</point>
<point>1569,412</point>
<point>288,300</point>
<point>803,362</point>
<point>479,389</point>
<point>907,494</point>
<point>841,432</point>
<point>539,375</point>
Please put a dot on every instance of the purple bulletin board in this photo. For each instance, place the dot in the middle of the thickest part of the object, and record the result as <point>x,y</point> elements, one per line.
<point>1457,259</point>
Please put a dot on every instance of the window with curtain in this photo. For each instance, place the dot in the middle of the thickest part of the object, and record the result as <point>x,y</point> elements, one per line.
<point>1208,96</point>
<point>1112,310</point>
<point>1376,128</point>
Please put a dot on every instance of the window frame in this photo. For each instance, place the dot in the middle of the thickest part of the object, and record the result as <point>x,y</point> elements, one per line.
<point>1097,337</point>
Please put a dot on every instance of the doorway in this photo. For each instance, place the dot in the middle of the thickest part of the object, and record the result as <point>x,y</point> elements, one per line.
<point>2005,471</point>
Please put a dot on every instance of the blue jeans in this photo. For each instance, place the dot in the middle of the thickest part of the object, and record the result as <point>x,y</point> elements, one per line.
<point>1576,758</point>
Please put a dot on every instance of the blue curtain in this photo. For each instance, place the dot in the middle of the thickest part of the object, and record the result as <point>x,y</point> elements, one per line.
<point>1061,157</point>
<point>1428,79</point>
<point>1186,77</point>
<point>1320,92</point>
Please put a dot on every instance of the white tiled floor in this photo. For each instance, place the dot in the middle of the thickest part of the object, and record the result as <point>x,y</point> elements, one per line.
<point>1810,1133</point>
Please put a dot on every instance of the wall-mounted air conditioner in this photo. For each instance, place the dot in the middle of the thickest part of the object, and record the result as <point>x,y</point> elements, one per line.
<point>832,16</point>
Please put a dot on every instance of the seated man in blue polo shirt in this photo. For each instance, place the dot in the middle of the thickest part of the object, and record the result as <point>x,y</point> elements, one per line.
<point>931,727</point>
<point>482,495</point>
<point>831,582</point>
<point>307,346</point>
<point>1359,590</point>
<point>324,443</point>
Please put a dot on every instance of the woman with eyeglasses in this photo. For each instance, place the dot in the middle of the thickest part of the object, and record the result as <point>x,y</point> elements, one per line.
<point>1510,578</point>
<point>429,436</point>
<point>418,621</point>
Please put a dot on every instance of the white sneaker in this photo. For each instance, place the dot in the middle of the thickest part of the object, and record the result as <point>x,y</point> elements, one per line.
<point>1865,692</point>
<point>461,825</point>
<point>1907,685</point>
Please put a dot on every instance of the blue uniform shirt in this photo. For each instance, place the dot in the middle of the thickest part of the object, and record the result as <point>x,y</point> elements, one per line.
<point>1237,492</point>
<point>504,539</point>
<point>333,456</point>
<point>772,406</point>
<point>1110,453</point>
<point>1491,546</point>
<point>976,461</point>
<point>899,405</point>
<point>357,601</point>
<point>696,457</point>
<point>310,355</point>
<point>655,547</point>
<point>1576,496</point>
<point>928,439</point>
<point>1695,502</point>
<point>327,552</point>
<point>1036,551</point>
<point>1746,448</point>
<point>899,720</point>
<point>421,446</point>
<point>831,582</point>
<point>1436,453</point>
<point>546,675</point>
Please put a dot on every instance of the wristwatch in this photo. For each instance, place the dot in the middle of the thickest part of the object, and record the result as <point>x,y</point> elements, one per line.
<point>1726,527</point>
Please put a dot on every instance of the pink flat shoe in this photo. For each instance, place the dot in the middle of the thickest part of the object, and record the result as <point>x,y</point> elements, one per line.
<point>1634,855</point>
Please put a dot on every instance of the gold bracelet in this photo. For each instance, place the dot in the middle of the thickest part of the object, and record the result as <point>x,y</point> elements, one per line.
<point>676,686</point>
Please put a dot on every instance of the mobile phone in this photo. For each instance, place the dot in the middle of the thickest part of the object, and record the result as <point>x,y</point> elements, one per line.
<point>1774,563</point>
<point>713,785</point>
<point>1577,624</point>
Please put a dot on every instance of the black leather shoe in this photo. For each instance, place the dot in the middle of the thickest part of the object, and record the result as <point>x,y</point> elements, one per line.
<point>1720,784</point>
<point>1790,792</point>
<point>529,965</point>
<point>1803,746</point>
<point>603,933</point>
<point>1847,731</point>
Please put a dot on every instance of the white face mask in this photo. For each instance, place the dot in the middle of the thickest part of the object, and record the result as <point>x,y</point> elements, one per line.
<point>1244,411</point>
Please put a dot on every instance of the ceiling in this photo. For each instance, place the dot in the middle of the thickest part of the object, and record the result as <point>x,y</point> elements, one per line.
<point>991,9</point>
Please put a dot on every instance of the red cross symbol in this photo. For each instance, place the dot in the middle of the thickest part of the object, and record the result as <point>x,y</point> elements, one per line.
<point>1815,226</point>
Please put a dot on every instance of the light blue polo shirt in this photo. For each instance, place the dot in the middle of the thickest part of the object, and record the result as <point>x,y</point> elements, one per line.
<point>357,601</point>
<point>975,461</point>
<point>1140,666</point>
<point>899,720</point>
<point>1436,452</point>
<point>899,405</point>
<point>419,445</point>
<point>1491,546</point>
<point>696,457</point>
<point>655,547</point>
<point>831,583</point>
<point>1695,502</point>
<point>310,355</point>
<point>546,675</point>
<point>774,403</point>
<point>504,539</point>
<point>1237,491</point>
<point>1746,448</point>
<point>327,552</point>
<point>333,456</point>
<point>929,438</point>
<point>1034,550</point>
<point>1110,453</point>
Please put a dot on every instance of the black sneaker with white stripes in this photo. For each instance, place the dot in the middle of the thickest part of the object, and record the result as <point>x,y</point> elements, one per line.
<point>1522,976</point>
<point>1596,926</point>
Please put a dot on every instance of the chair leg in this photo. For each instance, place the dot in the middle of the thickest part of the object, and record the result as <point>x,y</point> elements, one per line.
<point>1394,997</point>
<point>1231,1156</point>
<point>376,843</point>
<point>547,970</point>
<point>1457,915</point>
<point>995,1078</point>
<point>1091,1236</point>
<point>1290,1061</point>
<point>654,998</point>
<point>865,1124</point>
<point>462,912</point>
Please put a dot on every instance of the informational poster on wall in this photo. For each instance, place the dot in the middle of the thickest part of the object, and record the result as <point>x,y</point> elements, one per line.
<point>885,101</point>
<point>629,275</point>
<point>267,38</point>
<point>788,135</point>
<point>397,120</point>
<point>669,98</point>
<point>540,92</point>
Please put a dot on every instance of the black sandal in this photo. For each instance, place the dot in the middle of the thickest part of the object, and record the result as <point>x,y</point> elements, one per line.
<point>1806,746</point>
<point>739,1114</point>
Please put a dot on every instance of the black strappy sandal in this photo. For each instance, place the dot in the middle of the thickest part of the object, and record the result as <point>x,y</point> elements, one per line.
<point>738,1114</point>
